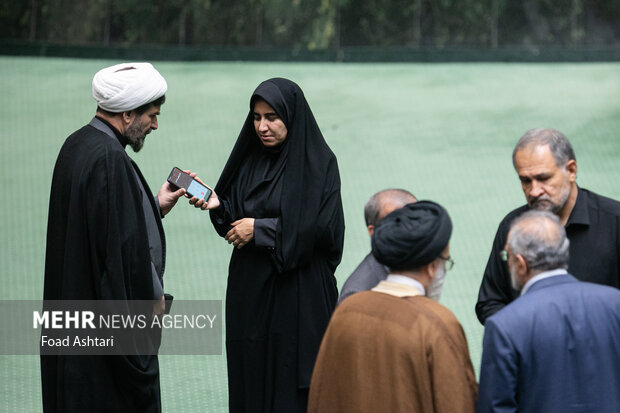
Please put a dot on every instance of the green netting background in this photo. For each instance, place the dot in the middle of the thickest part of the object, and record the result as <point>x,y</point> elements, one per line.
<point>443,131</point>
<point>531,53</point>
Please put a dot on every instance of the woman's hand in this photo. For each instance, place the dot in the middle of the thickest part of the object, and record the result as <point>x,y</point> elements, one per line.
<point>241,233</point>
<point>213,201</point>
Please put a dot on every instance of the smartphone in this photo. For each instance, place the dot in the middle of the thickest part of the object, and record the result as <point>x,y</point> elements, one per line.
<point>181,179</point>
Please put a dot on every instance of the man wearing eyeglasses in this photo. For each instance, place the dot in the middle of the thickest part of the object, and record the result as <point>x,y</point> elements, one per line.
<point>555,348</point>
<point>547,168</point>
<point>395,348</point>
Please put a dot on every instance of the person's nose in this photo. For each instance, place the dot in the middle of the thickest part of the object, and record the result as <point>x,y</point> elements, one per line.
<point>262,126</point>
<point>154,123</point>
<point>536,189</point>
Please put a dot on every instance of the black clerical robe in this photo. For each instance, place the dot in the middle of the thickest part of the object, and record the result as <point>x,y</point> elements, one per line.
<point>98,249</point>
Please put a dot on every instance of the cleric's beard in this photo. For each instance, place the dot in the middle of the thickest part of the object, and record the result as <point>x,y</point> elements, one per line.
<point>434,290</point>
<point>135,136</point>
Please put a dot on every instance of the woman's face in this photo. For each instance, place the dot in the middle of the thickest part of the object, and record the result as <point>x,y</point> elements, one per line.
<point>269,127</point>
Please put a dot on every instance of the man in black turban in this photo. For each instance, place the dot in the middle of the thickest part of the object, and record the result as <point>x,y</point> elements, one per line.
<point>414,239</point>
<point>395,348</point>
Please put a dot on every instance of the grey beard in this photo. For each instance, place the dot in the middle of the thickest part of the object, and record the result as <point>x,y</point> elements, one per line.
<point>545,204</point>
<point>514,281</point>
<point>135,136</point>
<point>434,290</point>
<point>137,144</point>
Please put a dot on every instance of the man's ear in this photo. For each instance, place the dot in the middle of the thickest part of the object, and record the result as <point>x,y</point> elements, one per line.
<point>128,117</point>
<point>371,230</point>
<point>431,269</point>
<point>522,267</point>
<point>571,169</point>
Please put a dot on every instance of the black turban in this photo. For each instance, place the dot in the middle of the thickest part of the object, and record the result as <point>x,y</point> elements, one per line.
<point>412,236</point>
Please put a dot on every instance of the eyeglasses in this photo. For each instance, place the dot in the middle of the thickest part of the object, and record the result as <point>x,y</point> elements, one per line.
<point>449,262</point>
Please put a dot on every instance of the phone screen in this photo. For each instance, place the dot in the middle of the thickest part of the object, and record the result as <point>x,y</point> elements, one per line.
<point>180,179</point>
<point>198,190</point>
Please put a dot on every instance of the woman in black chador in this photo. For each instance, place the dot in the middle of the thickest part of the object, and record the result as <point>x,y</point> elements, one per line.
<point>280,206</point>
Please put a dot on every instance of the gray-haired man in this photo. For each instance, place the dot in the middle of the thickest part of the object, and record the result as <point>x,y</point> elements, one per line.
<point>547,168</point>
<point>555,348</point>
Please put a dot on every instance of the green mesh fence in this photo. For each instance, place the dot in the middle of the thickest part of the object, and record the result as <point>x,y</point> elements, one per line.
<point>443,131</point>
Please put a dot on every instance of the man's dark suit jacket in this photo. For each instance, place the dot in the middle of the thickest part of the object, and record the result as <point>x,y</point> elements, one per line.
<point>366,276</point>
<point>554,349</point>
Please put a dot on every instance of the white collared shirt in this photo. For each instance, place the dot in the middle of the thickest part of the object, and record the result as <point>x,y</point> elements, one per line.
<point>401,279</point>
<point>542,276</point>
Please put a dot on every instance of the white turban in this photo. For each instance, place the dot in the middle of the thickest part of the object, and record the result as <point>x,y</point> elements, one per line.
<point>127,86</point>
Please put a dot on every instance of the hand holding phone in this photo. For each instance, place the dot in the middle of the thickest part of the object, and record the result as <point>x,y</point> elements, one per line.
<point>180,179</point>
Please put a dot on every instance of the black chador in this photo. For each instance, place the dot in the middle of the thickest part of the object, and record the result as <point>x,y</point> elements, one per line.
<point>281,285</point>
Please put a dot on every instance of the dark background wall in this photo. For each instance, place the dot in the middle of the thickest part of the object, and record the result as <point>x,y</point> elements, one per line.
<point>344,30</point>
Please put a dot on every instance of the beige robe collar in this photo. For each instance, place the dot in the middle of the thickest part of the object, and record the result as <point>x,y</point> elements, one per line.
<point>396,289</point>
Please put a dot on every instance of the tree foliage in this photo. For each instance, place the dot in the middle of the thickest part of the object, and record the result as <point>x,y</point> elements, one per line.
<point>313,24</point>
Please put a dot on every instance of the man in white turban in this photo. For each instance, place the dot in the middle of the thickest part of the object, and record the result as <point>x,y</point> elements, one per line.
<point>126,86</point>
<point>105,240</point>
<point>128,97</point>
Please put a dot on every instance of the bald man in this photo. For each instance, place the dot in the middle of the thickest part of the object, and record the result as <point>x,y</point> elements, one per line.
<point>556,347</point>
<point>369,272</point>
